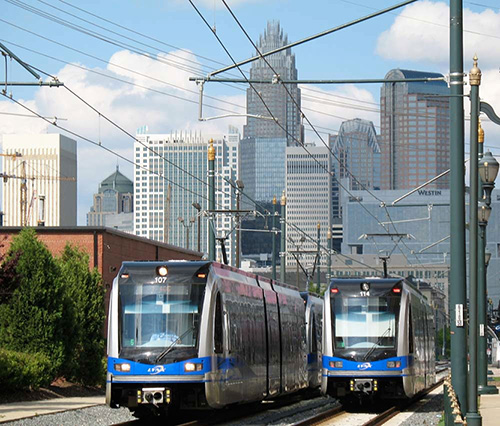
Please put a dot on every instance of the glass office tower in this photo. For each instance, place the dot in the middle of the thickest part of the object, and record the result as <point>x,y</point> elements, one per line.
<point>415,139</point>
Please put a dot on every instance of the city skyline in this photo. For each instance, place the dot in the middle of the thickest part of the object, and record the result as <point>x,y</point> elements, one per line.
<point>368,55</point>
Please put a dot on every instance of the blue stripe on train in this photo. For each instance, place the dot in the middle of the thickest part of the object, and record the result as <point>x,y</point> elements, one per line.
<point>380,365</point>
<point>175,368</point>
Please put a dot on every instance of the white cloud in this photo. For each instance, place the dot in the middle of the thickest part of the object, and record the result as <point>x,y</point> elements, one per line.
<point>127,105</point>
<point>421,33</point>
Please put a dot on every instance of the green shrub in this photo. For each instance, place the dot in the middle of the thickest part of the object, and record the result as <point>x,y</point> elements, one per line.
<point>85,296</point>
<point>24,371</point>
<point>36,318</point>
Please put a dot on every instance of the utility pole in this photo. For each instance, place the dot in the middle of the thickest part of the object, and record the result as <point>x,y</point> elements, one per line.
<point>283,240</point>
<point>211,201</point>
<point>457,208</point>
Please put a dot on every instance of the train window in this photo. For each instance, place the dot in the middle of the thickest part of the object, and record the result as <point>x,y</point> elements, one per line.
<point>410,333</point>
<point>366,323</point>
<point>314,337</point>
<point>218,326</point>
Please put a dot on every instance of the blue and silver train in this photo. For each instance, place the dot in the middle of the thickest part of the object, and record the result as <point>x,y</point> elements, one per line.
<point>378,340</point>
<point>185,335</point>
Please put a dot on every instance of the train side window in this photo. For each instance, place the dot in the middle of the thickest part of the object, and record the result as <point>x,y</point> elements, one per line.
<point>411,348</point>
<point>218,335</point>
<point>314,338</point>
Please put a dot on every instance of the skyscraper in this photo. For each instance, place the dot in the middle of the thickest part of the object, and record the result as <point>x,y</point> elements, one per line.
<point>264,141</point>
<point>415,141</point>
<point>309,199</point>
<point>48,163</point>
<point>164,211</point>
<point>113,203</point>
<point>357,152</point>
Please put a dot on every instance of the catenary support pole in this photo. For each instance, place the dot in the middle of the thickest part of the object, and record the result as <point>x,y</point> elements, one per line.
<point>273,236</point>
<point>457,208</point>
<point>283,238</point>
<point>318,276</point>
<point>211,201</point>
<point>329,258</point>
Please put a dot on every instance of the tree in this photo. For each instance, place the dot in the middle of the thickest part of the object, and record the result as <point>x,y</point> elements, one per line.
<point>36,319</point>
<point>85,296</point>
<point>9,280</point>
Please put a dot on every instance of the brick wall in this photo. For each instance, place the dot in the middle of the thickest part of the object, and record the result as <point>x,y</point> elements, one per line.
<point>110,246</point>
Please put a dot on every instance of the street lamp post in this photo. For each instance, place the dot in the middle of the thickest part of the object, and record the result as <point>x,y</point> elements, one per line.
<point>488,170</point>
<point>198,215</point>
<point>473,416</point>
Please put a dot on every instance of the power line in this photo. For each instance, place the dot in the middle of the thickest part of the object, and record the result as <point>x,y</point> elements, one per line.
<point>116,65</point>
<point>266,106</point>
<point>423,20</point>
<point>115,78</point>
<point>99,144</point>
<point>303,115</point>
<point>101,37</point>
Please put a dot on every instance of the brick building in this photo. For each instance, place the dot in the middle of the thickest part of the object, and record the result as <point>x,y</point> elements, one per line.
<point>107,247</point>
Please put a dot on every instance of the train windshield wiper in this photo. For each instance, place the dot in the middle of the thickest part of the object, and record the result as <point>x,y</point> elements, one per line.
<point>172,345</point>
<point>370,351</point>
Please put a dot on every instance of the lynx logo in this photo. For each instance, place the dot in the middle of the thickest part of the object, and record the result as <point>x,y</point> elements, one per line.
<point>157,369</point>
<point>364,366</point>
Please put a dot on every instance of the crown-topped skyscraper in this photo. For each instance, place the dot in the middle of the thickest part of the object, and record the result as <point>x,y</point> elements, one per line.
<point>263,147</point>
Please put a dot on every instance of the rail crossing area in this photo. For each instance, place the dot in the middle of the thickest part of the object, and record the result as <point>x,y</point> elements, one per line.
<point>92,410</point>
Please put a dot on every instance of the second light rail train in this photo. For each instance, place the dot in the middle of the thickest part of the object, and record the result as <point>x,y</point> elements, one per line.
<point>378,340</point>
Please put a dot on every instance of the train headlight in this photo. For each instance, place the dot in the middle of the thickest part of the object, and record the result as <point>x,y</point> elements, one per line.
<point>123,367</point>
<point>393,364</point>
<point>336,364</point>
<point>193,366</point>
<point>162,271</point>
<point>365,286</point>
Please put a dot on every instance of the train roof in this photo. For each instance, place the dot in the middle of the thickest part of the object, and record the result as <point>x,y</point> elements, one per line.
<point>352,285</point>
<point>181,267</point>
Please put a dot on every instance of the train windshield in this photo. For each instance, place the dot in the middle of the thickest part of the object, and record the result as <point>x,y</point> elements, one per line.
<point>159,320</point>
<point>365,328</point>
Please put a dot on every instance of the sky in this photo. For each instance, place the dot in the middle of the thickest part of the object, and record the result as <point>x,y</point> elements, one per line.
<point>131,61</point>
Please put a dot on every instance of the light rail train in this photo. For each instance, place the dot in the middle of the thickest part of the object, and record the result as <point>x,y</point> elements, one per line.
<point>378,340</point>
<point>187,335</point>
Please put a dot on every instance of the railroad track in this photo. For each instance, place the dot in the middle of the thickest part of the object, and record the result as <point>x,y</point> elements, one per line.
<point>341,416</point>
<point>338,414</point>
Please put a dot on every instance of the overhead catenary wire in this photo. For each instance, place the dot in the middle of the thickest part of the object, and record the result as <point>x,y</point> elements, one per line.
<point>305,117</point>
<point>114,64</point>
<point>118,155</point>
<point>99,36</point>
<point>267,108</point>
<point>117,78</point>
